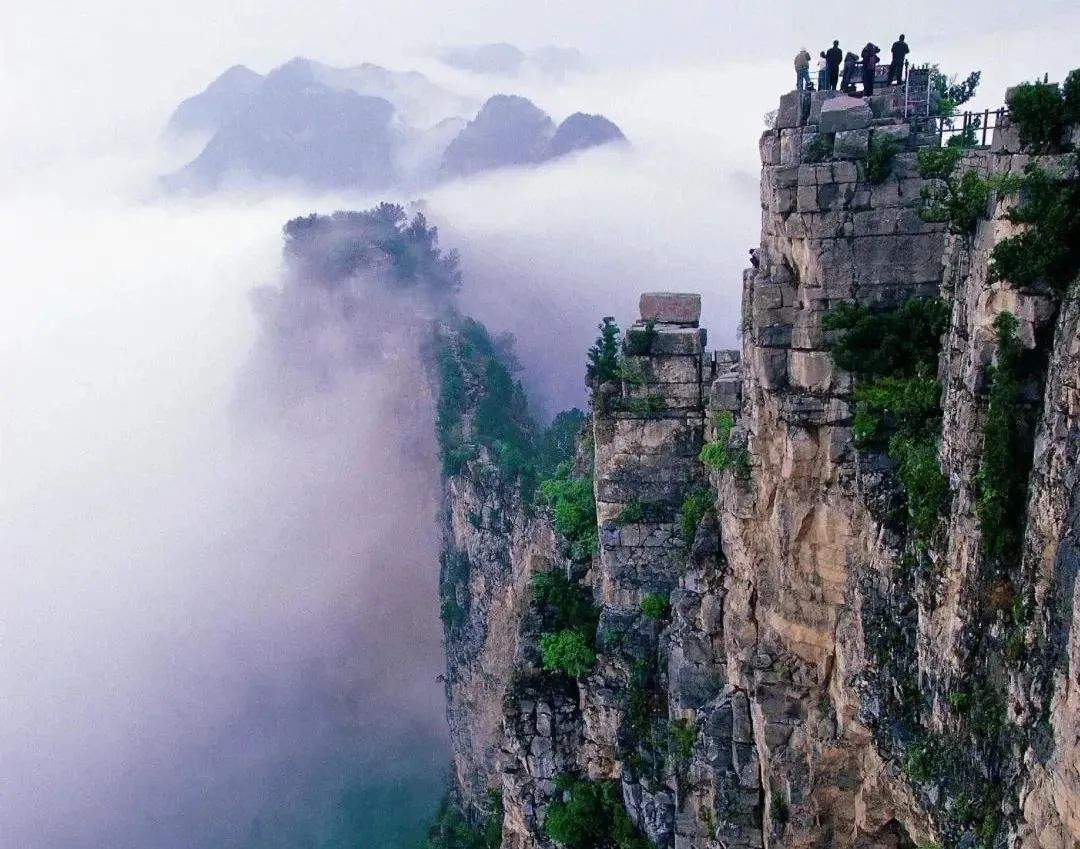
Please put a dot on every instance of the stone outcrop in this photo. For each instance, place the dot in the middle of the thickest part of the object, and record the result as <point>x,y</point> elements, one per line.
<point>780,662</point>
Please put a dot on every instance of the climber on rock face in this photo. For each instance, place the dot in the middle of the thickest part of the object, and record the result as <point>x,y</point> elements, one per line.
<point>900,51</point>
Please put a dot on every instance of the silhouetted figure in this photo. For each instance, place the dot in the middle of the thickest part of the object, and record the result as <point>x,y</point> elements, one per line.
<point>900,51</point>
<point>869,66</point>
<point>755,260</point>
<point>833,57</point>
<point>848,81</point>
<point>802,70</point>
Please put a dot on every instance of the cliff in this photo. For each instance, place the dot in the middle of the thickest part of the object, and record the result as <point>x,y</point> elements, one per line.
<point>833,573</point>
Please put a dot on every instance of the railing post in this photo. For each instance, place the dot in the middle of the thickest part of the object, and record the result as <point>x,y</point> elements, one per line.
<point>986,120</point>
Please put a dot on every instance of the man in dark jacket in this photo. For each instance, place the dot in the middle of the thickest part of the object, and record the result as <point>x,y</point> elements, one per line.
<point>900,51</point>
<point>869,66</point>
<point>833,57</point>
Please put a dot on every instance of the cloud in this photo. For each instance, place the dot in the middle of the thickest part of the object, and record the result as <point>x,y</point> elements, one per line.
<point>207,619</point>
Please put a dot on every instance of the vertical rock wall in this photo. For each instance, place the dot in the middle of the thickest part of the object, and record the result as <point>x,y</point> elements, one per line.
<point>773,701</point>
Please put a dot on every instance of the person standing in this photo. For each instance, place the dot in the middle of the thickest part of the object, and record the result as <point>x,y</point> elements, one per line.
<point>847,83</point>
<point>900,51</point>
<point>833,57</point>
<point>869,67</point>
<point>802,70</point>
<point>822,72</point>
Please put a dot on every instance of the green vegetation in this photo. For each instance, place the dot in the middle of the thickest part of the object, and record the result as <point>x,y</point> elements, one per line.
<point>906,407</point>
<point>1047,252</point>
<point>951,91</point>
<point>714,454</point>
<point>452,830</point>
<point>590,815</point>
<point>820,148</point>
<point>333,248</point>
<point>633,513</point>
<point>481,405</point>
<point>655,606</point>
<point>897,404</point>
<point>565,604</point>
<point>957,201</point>
<point>694,507</point>
<point>1002,476</point>
<point>567,651</point>
<point>603,357</point>
<point>896,342</point>
<point>926,487</point>
<point>879,161</point>
<point>574,507</point>
<point>681,737</point>
<point>1042,111</point>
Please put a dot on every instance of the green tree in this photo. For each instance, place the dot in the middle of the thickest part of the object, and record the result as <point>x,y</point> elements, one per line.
<point>603,357</point>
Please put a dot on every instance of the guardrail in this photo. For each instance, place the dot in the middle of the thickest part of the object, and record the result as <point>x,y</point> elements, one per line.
<point>975,128</point>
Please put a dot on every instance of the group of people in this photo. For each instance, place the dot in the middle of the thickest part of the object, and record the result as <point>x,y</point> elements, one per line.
<point>832,60</point>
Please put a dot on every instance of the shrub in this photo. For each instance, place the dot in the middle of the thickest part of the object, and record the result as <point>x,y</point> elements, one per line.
<point>714,454</point>
<point>603,356</point>
<point>590,815</point>
<point>1047,252</point>
<point>896,343</point>
<point>568,652</point>
<point>1002,477</point>
<point>926,487</point>
<point>1038,109</point>
<point>819,148</point>
<point>958,202</point>
<point>891,406</point>
<point>655,606</point>
<point>558,442</point>
<point>452,830</point>
<point>632,514</point>
<point>694,508</point>
<point>566,604</point>
<point>574,508</point>
<point>879,161</point>
<point>1070,94</point>
<point>681,737</point>
<point>1014,648</point>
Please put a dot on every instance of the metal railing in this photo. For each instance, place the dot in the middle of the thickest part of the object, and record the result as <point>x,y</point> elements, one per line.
<point>976,129</point>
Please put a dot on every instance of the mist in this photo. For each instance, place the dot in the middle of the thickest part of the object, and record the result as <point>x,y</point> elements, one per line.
<point>220,553</point>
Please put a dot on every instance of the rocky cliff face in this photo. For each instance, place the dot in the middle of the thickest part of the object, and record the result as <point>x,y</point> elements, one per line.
<point>789,653</point>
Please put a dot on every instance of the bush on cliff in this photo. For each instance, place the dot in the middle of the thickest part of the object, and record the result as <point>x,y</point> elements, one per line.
<point>567,651</point>
<point>959,201</point>
<point>1006,462</point>
<point>1042,111</point>
<point>897,404</point>
<point>879,160</point>
<point>694,507</point>
<point>574,509</point>
<point>565,604</point>
<point>451,829</point>
<point>1047,251</point>
<point>714,453</point>
<point>590,815</point>
<point>894,343</point>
